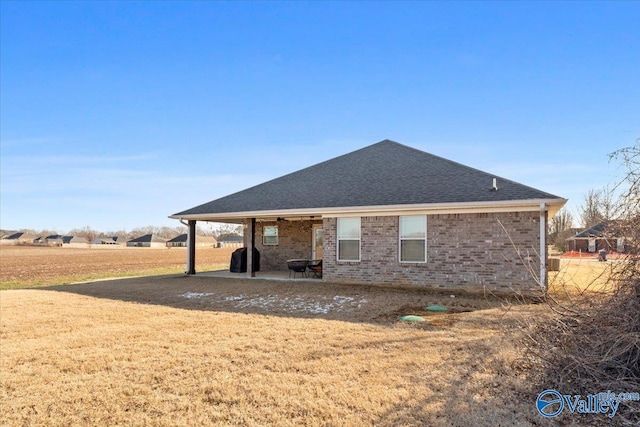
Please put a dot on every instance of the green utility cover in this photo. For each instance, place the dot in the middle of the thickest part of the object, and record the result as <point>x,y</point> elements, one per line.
<point>436,308</point>
<point>412,318</point>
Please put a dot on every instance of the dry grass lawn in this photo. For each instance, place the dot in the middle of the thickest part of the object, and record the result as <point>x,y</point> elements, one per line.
<point>177,350</point>
<point>581,275</point>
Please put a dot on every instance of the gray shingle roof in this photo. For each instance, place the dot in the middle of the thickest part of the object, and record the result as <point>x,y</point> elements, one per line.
<point>599,230</point>
<point>385,173</point>
<point>147,238</point>
<point>20,235</point>
<point>182,238</point>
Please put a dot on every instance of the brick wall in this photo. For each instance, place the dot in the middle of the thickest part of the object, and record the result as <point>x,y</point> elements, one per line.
<point>294,241</point>
<point>464,251</point>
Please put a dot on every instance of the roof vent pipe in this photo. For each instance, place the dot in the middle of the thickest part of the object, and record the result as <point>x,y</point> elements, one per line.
<point>495,184</point>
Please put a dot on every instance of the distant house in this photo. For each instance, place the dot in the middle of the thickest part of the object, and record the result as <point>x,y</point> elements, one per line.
<point>19,238</point>
<point>231,241</point>
<point>74,242</point>
<point>53,240</point>
<point>202,241</point>
<point>391,214</point>
<point>605,235</point>
<point>109,241</point>
<point>148,241</point>
<point>559,239</point>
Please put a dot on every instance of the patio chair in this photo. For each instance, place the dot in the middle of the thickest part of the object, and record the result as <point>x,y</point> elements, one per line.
<point>315,266</point>
<point>297,266</point>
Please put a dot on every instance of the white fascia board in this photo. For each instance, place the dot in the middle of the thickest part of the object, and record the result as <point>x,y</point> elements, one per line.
<point>532,205</point>
<point>446,208</point>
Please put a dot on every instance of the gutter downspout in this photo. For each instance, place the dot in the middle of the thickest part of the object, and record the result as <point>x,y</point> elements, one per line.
<point>543,246</point>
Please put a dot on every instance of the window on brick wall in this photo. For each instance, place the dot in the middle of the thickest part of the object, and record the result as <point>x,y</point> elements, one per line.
<point>413,238</point>
<point>270,235</point>
<point>348,239</point>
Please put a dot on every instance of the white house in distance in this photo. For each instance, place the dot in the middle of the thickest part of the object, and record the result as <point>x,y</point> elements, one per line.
<point>19,238</point>
<point>113,241</point>
<point>74,242</point>
<point>148,241</point>
<point>391,214</point>
<point>201,241</point>
<point>231,241</point>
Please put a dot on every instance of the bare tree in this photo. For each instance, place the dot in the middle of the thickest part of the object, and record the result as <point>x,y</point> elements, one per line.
<point>205,231</point>
<point>223,230</point>
<point>592,340</point>
<point>164,232</point>
<point>598,205</point>
<point>630,185</point>
<point>563,221</point>
<point>609,205</point>
<point>560,229</point>
<point>46,232</point>
<point>121,233</point>
<point>591,209</point>
<point>170,232</point>
<point>87,232</point>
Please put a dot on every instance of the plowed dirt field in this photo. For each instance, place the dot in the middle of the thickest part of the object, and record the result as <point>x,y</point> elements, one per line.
<point>27,266</point>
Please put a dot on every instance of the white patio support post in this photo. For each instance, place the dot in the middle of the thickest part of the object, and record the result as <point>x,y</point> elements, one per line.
<point>543,246</point>
<point>191,247</point>
<point>251,243</point>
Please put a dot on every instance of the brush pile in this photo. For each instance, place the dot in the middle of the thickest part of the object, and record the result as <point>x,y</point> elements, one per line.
<point>591,343</point>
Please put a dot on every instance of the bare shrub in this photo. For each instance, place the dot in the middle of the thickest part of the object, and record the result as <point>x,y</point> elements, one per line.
<point>591,342</point>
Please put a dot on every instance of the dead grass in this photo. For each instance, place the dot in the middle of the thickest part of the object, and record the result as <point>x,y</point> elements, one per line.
<point>579,275</point>
<point>30,266</point>
<point>177,350</point>
<point>200,351</point>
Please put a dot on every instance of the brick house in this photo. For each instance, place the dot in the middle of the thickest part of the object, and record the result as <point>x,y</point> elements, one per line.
<point>607,235</point>
<point>391,214</point>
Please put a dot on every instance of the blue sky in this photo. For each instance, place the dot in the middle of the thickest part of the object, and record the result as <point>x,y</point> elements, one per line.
<point>115,115</point>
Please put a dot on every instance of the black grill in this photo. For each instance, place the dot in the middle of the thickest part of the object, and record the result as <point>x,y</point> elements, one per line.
<point>239,260</point>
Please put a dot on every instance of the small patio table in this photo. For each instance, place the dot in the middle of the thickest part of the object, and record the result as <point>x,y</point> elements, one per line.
<point>297,266</point>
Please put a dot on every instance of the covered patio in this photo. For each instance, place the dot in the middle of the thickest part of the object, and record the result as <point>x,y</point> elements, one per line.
<point>278,240</point>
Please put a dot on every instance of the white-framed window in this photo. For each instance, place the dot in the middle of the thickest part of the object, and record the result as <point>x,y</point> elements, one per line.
<point>270,235</point>
<point>413,238</point>
<point>348,239</point>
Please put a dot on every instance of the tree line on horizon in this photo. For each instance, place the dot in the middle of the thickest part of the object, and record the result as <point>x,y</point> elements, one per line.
<point>598,206</point>
<point>218,231</point>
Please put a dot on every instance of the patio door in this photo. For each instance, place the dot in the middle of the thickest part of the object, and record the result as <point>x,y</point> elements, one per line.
<point>316,250</point>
